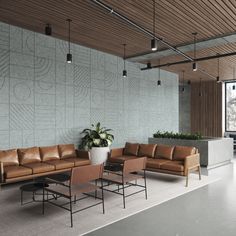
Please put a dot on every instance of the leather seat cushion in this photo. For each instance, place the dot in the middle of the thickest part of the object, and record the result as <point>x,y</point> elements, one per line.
<point>16,171</point>
<point>131,149</point>
<point>173,166</point>
<point>164,151</point>
<point>67,150</point>
<point>29,155</point>
<point>121,159</point>
<point>49,153</point>
<point>60,164</point>
<point>9,157</point>
<point>155,163</point>
<point>40,167</point>
<point>147,150</point>
<point>181,152</point>
<point>78,161</point>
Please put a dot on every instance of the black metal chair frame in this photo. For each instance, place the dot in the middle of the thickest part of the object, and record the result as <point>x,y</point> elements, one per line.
<point>57,195</point>
<point>125,185</point>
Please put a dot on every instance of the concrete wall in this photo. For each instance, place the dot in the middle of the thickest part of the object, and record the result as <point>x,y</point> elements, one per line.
<point>44,100</point>
<point>185,109</point>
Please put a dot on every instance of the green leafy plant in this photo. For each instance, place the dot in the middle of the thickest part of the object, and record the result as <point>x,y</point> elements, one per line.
<point>97,136</point>
<point>172,135</point>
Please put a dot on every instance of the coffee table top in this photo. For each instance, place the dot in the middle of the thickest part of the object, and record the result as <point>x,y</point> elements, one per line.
<point>113,167</point>
<point>32,187</point>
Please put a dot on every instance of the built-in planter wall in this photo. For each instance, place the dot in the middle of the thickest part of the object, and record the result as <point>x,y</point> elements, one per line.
<point>44,100</point>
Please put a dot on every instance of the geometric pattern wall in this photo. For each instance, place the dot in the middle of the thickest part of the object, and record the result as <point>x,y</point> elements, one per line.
<point>45,101</point>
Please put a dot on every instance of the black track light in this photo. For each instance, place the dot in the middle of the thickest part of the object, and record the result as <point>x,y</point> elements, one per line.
<point>194,66</point>
<point>124,74</point>
<point>189,82</point>
<point>154,44</point>
<point>218,79</point>
<point>158,83</point>
<point>149,65</point>
<point>48,30</point>
<point>69,55</point>
<point>233,87</point>
<point>183,89</point>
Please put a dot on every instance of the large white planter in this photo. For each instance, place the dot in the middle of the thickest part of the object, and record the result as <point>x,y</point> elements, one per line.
<point>98,155</point>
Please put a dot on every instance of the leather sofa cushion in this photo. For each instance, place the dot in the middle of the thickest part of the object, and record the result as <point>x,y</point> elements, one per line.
<point>16,171</point>
<point>29,155</point>
<point>49,153</point>
<point>181,152</point>
<point>121,159</point>
<point>61,164</point>
<point>155,163</point>
<point>66,150</point>
<point>131,149</point>
<point>164,151</point>
<point>78,161</point>
<point>9,157</point>
<point>39,167</point>
<point>173,166</point>
<point>147,150</point>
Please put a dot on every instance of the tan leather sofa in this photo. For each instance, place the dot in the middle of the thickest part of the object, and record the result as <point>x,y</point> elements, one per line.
<point>28,163</point>
<point>177,160</point>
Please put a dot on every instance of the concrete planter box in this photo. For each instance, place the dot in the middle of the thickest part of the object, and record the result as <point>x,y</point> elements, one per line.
<point>213,151</point>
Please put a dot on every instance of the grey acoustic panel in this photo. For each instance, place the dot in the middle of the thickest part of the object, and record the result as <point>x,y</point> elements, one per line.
<point>45,101</point>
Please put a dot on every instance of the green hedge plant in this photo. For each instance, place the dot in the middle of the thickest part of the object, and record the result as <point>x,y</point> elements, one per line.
<point>97,136</point>
<point>173,135</point>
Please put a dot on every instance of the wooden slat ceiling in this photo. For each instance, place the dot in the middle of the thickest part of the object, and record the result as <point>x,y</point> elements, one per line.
<point>96,28</point>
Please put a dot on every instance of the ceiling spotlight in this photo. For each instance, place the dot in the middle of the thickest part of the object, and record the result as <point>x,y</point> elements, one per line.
<point>149,65</point>
<point>48,29</point>
<point>69,55</point>
<point>124,74</point>
<point>154,41</point>
<point>194,66</point>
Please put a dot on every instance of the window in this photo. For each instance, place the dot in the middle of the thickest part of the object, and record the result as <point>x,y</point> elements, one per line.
<point>230,106</point>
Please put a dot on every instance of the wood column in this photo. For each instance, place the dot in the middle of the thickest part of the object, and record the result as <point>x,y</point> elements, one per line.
<point>206,108</point>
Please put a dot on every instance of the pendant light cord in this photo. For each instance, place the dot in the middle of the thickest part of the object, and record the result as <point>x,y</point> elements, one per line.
<point>154,20</point>
<point>195,35</point>
<point>159,73</point>
<point>124,55</point>
<point>69,21</point>
<point>183,78</point>
<point>218,67</point>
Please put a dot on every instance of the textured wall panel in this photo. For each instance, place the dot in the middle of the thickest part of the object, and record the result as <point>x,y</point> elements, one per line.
<point>45,101</point>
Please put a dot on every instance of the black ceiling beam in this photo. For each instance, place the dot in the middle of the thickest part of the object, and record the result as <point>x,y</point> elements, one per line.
<point>147,32</point>
<point>187,61</point>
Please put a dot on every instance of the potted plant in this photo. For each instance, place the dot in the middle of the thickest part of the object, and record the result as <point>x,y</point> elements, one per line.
<point>97,141</point>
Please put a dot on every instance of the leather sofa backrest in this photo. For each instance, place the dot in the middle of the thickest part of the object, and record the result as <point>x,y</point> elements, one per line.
<point>147,150</point>
<point>181,152</point>
<point>164,151</point>
<point>9,157</point>
<point>66,150</point>
<point>29,155</point>
<point>131,149</point>
<point>49,153</point>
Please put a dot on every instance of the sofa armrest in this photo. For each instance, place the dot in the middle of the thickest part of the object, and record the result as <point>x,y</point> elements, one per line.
<point>82,154</point>
<point>191,161</point>
<point>116,152</point>
<point>1,173</point>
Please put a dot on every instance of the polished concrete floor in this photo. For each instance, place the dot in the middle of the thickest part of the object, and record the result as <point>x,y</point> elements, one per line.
<point>208,211</point>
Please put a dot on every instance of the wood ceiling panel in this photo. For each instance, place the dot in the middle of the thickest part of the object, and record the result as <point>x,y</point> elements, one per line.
<point>96,28</point>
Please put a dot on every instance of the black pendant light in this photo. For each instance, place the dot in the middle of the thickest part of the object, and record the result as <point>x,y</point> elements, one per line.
<point>154,41</point>
<point>233,87</point>
<point>149,65</point>
<point>69,55</point>
<point>218,70</point>
<point>194,65</point>
<point>159,72</point>
<point>189,82</point>
<point>48,30</point>
<point>124,74</point>
<point>183,82</point>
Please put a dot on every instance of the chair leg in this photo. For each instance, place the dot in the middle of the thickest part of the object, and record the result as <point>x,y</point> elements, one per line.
<point>187,178</point>
<point>199,172</point>
<point>71,217</point>
<point>145,184</point>
<point>103,207</point>
<point>123,188</point>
